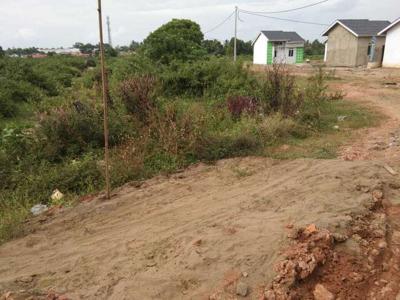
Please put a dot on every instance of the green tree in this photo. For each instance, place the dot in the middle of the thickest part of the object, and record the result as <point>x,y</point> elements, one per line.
<point>243,48</point>
<point>85,48</point>
<point>179,39</point>
<point>213,47</point>
<point>2,53</point>
<point>314,48</point>
<point>134,46</point>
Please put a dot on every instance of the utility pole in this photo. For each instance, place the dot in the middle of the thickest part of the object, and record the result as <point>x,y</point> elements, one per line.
<point>109,31</point>
<point>105,103</point>
<point>235,41</point>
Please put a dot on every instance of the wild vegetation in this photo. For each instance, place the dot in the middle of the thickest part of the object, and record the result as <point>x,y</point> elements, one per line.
<point>172,104</point>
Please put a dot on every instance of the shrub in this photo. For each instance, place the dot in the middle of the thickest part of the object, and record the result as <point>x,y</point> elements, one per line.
<point>316,95</point>
<point>237,105</point>
<point>137,95</point>
<point>279,92</point>
<point>70,131</point>
<point>275,126</point>
<point>210,77</point>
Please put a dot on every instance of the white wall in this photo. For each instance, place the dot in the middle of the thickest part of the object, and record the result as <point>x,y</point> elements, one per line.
<point>392,47</point>
<point>260,50</point>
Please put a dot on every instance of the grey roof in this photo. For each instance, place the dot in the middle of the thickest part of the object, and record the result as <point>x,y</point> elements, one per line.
<point>288,36</point>
<point>364,27</point>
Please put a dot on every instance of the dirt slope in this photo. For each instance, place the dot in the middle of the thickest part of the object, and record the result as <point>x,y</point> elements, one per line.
<point>188,236</point>
<point>197,234</point>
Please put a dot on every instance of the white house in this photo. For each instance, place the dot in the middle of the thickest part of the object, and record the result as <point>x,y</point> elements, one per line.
<point>391,56</point>
<point>278,47</point>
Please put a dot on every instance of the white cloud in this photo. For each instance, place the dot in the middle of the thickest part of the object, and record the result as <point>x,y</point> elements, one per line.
<point>48,23</point>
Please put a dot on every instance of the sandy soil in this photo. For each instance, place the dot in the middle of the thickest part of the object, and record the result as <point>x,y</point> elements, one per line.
<point>241,226</point>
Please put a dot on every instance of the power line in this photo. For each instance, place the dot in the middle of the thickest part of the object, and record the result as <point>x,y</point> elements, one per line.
<point>220,24</point>
<point>283,19</point>
<point>287,10</point>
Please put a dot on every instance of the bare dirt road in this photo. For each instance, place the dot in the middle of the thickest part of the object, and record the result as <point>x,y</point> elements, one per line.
<point>243,228</point>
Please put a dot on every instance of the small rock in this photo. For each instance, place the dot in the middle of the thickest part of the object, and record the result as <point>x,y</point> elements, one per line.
<point>340,238</point>
<point>242,289</point>
<point>385,267</point>
<point>341,118</point>
<point>197,242</point>
<point>270,295</point>
<point>357,277</point>
<point>336,127</point>
<point>382,245</point>
<point>151,264</point>
<point>375,252</point>
<point>245,274</point>
<point>310,229</point>
<point>356,237</point>
<point>377,195</point>
<point>321,293</point>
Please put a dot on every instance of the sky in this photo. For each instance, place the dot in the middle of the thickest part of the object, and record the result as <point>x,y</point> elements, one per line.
<point>54,23</point>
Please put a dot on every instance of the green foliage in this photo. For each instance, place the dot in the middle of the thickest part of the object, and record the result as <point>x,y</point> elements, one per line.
<point>213,47</point>
<point>163,117</point>
<point>22,51</point>
<point>207,77</point>
<point>176,40</point>
<point>77,129</point>
<point>243,48</point>
<point>2,53</point>
<point>314,48</point>
<point>279,92</point>
<point>85,48</point>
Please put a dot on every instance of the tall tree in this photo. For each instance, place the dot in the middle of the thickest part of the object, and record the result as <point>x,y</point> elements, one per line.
<point>243,48</point>
<point>2,53</point>
<point>179,39</point>
<point>213,47</point>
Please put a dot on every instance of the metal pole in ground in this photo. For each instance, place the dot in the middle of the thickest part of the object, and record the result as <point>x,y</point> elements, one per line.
<point>235,41</point>
<point>105,102</point>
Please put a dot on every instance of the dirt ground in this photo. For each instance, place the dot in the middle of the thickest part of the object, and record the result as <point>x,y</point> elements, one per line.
<point>252,228</point>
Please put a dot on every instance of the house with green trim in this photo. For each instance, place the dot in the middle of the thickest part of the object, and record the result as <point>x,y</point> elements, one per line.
<point>282,47</point>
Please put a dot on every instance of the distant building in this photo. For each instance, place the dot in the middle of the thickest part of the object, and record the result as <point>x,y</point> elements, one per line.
<point>391,57</point>
<point>63,51</point>
<point>38,55</point>
<point>278,47</point>
<point>354,42</point>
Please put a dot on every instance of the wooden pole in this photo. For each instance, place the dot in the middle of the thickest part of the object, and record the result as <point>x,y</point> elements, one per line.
<point>105,103</point>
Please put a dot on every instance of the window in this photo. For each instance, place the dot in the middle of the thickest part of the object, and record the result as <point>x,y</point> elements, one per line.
<point>291,52</point>
<point>275,53</point>
<point>369,50</point>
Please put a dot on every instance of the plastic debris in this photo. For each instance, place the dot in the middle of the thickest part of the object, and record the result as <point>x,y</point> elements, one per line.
<point>57,195</point>
<point>39,209</point>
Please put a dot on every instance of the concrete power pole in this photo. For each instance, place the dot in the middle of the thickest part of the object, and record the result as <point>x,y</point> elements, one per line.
<point>235,41</point>
<point>109,31</point>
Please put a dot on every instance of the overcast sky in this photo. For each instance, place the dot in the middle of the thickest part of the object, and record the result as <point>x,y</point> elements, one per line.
<point>54,23</point>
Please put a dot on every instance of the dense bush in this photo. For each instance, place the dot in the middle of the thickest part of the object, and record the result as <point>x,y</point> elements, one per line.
<point>32,80</point>
<point>279,92</point>
<point>137,95</point>
<point>238,105</point>
<point>210,77</point>
<point>74,129</point>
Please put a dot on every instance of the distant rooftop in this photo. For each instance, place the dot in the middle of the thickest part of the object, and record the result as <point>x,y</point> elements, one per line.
<point>283,36</point>
<point>361,27</point>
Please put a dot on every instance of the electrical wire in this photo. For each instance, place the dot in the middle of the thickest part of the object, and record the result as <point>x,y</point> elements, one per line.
<point>283,19</point>
<point>220,24</point>
<point>287,10</point>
